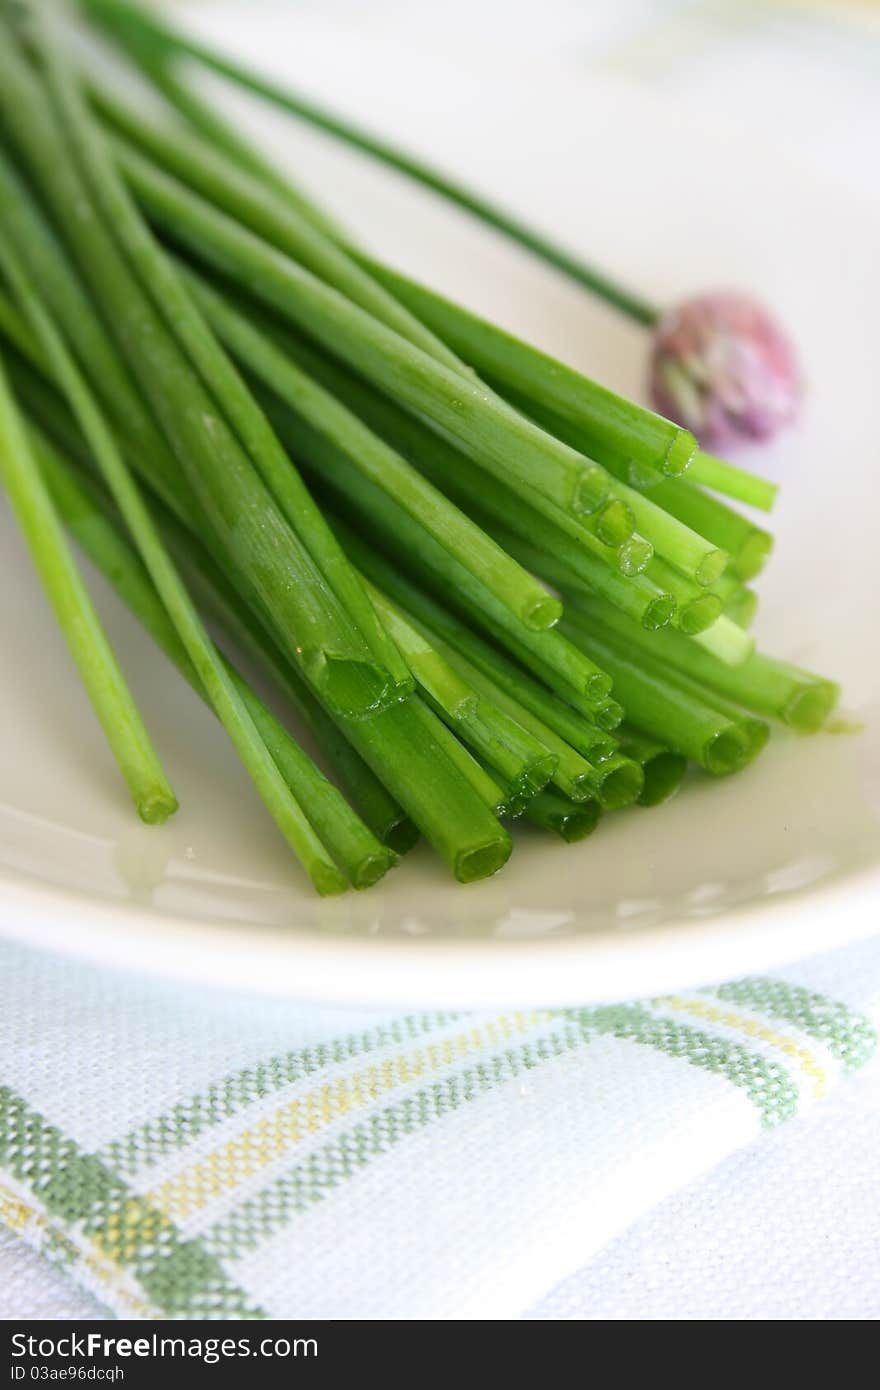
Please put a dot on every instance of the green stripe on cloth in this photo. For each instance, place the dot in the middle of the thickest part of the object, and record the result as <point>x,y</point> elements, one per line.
<point>766,1083</point>
<point>180,1278</point>
<point>166,1133</point>
<point>848,1035</point>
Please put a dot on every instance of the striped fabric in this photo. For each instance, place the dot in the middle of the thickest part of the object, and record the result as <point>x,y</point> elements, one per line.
<point>190,1155</point>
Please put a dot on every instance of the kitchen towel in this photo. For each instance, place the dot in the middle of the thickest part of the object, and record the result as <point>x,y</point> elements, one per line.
<point>181,1153</point>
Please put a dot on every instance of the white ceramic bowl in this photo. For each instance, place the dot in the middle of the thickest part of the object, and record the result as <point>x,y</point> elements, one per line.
<point>730,876</point>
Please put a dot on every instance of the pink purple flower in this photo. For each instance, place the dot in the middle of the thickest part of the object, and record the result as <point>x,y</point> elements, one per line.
<point>722,367</point>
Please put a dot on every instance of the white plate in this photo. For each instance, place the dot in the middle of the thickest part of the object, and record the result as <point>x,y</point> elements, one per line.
<point>731,876</point>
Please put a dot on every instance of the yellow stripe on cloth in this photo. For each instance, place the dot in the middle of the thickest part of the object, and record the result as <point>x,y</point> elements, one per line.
<point>232,1163</point>
<point>753,1028</point>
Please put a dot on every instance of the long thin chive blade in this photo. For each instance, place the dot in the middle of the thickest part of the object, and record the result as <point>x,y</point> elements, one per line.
<point>571,820</point>
<point>76,616</point>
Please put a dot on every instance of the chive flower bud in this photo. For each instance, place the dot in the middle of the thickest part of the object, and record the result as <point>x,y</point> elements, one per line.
<point>723,368</point>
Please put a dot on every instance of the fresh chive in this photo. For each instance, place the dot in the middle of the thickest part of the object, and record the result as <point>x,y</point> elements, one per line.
<point>723,639</point>
<point>571,820</point>
<point>639,597</point>
<point>162,282</point>
<point>697,607</point>
<point>761,683</point>
<point>97,666</point>
<point>360,502</point>
<point>219,600</point>
<point>663,768</point>
<point>732,481</point>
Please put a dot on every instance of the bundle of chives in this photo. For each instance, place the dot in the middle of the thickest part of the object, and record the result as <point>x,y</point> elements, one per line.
<point>492,433</point>
<point>571,820</point>
<point>97,666</point>
<point>404,747</point>
<point>667,709</point>
<point>446,686</point>
<point>653,445</point>
<point>607,533</point>
<point>612,779</point>
<point>650,441</point>
<point>469,545</point>
<point>359,500</point>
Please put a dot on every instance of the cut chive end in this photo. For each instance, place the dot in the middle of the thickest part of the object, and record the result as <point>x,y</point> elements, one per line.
<point>602,748</point>
<point>712,566</point>
<point>810,706</point>
<point>663,774</point>
<point>157,808</point>
<point>752,556</point>
<point>538,773</point>
<point>483,860</point>
<point>544,613</point>
<point>572,821</point>
<point>633,556</point>
<point>328,881</point>
<point>726,752</point>
<point>680,454</point>
<point>621,785</point>
<point>658,612</point>
<point>598,686</point>
<point>356,687</point>
<point>372,868</point>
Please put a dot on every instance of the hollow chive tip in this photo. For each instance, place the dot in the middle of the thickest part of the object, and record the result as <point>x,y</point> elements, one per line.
<point>621,786</point>
<point>712,566</point>
<point>633,556</point>
<point>810,706</point>
<point>482,861</point>
<point>658,612</point>
<point>156,809</point>
<point>543,614</point>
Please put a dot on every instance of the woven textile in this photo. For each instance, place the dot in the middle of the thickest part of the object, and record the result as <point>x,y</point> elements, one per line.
<point>183,1154</point>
